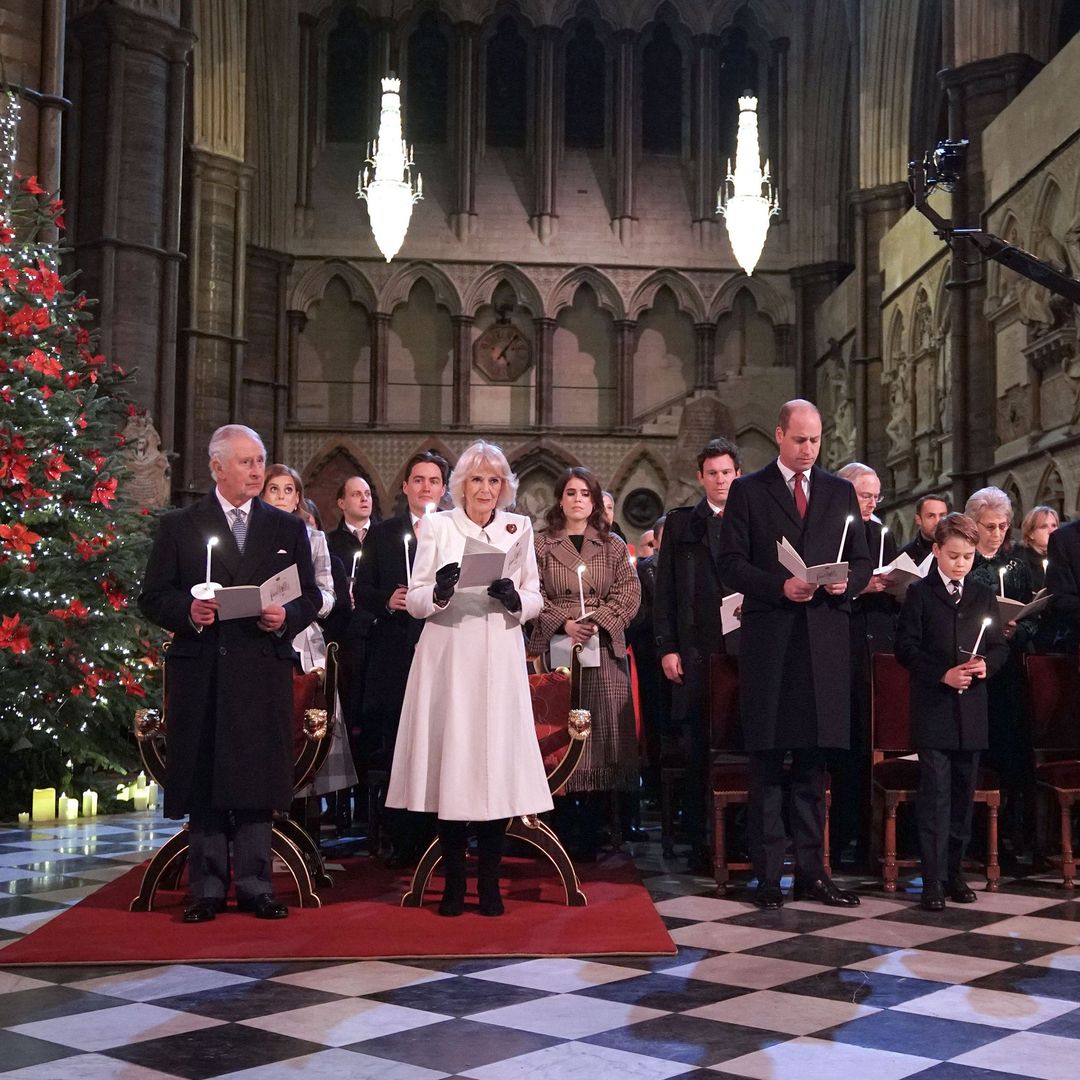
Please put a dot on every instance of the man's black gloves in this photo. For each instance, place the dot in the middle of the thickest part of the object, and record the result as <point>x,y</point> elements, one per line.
<point>503,590</point>
<point>446,577</point>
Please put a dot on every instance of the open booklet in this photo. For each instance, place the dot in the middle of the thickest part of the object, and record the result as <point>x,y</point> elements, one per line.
<point>246,601</point>
<point>822,574</point>
<point>481,563</point>
<point>903,570</point>
<point>1014,609</point>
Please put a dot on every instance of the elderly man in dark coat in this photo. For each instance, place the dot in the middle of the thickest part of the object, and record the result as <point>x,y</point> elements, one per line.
<point>794,670</point>
<point>229,684</point>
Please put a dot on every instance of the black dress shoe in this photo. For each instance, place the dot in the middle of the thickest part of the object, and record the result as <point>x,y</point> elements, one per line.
<point>959,891</point>
<point>264,906</point>
<point>823,891</point>
<point>203,909</point>
<point>768,896</point>
<point>933,896</point>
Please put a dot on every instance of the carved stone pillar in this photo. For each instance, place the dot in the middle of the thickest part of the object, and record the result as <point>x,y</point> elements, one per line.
<point>296,321</point>
<point>464,102</point>
<point>625,330</point>
<point>625,93</point>
<point>546,126</point>
<point>810,284</point>
<point>977,92</point>
<point>778,118</point>
<point>545,369</point>
<point>125,166</point>
<point>704,351</point>
<point>380,366</point>
<point>463,327</point>
<point>703,136</point>
<point>876,211</point>
<point>307,112</point>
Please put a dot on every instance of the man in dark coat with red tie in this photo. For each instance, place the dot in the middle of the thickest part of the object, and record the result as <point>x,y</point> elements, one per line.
<point>229,704</point>
<point>794,671</point>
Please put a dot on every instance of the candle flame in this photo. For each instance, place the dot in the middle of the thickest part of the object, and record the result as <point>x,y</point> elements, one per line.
<point>987,621</point>
<point>211,542</point>
<point>580,569</point>
<point>407,538</point>
<point>430,508</point>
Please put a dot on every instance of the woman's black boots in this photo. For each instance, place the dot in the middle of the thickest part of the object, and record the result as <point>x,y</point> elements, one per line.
<point>453,838</point>
<point>489,848</point>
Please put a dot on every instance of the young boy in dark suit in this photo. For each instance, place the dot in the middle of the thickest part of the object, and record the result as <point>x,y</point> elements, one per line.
<point>940,623</point>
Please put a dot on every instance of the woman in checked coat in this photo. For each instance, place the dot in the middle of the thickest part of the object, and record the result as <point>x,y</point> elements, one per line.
<point>577,534</point>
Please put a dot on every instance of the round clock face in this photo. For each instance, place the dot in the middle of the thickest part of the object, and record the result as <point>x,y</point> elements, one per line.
<point>502,353</point>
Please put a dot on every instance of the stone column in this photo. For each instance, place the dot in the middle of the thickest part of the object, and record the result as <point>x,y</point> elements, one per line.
<point>704,349</point>
<point>625,130</point>
<point>296,321</point>
<point>306,121</point>
<point>463,327</point>
<point>546,125</point>
<point>624,372</point>
<point>811,285</point>
<point>545,370</point>
<point>464,106</point>
<point>778,114</point>
<point>703,136</point>
<point>380,366</point>
<point>125,166</point>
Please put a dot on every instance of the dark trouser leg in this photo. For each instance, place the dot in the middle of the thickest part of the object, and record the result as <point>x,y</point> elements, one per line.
<point>964,766</point>
<point>252,853</point>
<point>489,848</point>
<point>768,838</point>
<point>934,803</point>
<point>208,854</point>
<point>808,813</point>
<point>453,838</point>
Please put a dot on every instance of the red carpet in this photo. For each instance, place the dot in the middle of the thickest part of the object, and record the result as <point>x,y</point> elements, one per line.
<point>361,919</point>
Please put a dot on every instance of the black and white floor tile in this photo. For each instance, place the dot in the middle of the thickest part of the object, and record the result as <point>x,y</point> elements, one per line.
<point>882,991</point>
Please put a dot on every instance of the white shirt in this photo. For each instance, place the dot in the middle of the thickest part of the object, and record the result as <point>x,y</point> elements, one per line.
<point>229,508</point>
<point>945,578</point>
<point>714,508</point>
<point>359,533</point>
<point>789,479</point>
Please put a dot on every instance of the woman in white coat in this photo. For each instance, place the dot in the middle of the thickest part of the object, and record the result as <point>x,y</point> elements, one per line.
<point>466,746</point>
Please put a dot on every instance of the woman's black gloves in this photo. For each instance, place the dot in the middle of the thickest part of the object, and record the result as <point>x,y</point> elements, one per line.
<point>503,590</point>
<point>446,578</point>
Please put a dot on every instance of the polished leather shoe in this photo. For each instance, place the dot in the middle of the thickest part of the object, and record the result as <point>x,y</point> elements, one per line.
<point>824,891</point>
<point>204,909</point>
<point>959,891</point>
<point>264,906</point>
<point>933,896</point>
<point>768,896</point>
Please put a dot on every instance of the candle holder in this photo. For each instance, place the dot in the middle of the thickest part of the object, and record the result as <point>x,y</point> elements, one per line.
<point>204,590</point>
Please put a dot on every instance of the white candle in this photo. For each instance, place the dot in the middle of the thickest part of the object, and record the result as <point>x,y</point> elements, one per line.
<point>430,508</point>
<point>141,798</point>
<point>209,548</point>
<point>140,781</point>
<point>69,809</point>
<point>407,540</point>
<point>843,539</point>
<point>581,586</point>
<point>1001,576</point>
<point>355,561</point>
<point>982,630</point>
<point>24,818</point>
<point>89,803</point>
<point>881,549</point>
<point>152,794</point>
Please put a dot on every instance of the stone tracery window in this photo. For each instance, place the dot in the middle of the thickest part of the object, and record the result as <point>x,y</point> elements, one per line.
<point>427,82</point>
<point>585,97</point>
<point>507,82</point>
<point>661,93</point>
<point>348,75</point>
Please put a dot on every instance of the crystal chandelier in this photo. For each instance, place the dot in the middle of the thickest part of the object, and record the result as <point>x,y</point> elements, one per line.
<point>389,191</point>
<point>747,199</point>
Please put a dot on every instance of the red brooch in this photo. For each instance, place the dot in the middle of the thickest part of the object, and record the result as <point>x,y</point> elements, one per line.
<point>511,528</point>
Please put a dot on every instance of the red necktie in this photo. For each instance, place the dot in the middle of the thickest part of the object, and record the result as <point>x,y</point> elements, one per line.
<point>800,494</point>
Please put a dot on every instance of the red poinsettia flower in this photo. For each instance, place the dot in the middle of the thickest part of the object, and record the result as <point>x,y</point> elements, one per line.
<point>75,610</point>
<point>9,276</point>
<point>7,395</point>
<point>81,422</point>
<point>31,186</point>
<point>46,392</point>
<point>114,593</point>
<point>104,492</point>
<point>15,466</point>
<point>26,320</point>
<point>7,233</point>
<point>13,636</point>
<point>43,281</point>
<point>48,366</point>
<point>72,380</point>
<point>97,459</point>
<point>18,538</point>
<point>128,682</point>
<point>56,211</point>
<point>55,465</point>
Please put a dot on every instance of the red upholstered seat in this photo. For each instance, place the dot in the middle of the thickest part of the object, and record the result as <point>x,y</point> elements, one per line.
<point>305,689</point>
<point>1059,774</point>
<point>550,694</point>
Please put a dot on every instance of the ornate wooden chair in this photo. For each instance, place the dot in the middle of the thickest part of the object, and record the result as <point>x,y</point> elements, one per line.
<point>895,776</point>
<point>314,695</point>
<point>1053,688</point>
<point>561,729</point>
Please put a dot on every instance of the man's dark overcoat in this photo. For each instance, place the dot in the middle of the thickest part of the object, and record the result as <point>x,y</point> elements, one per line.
<point>779,659</point>
<point>931,632</point>
<point>229,688</point>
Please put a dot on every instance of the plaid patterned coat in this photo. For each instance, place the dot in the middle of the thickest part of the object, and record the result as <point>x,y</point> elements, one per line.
<point>612,594</point>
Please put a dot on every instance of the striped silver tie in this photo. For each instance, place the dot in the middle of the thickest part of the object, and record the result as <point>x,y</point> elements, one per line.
<point>239,529</point>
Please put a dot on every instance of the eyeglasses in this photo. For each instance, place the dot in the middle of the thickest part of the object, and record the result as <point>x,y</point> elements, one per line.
<point>867,497</point>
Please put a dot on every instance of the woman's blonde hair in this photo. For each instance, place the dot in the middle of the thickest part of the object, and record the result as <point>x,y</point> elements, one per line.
<point>1034,518</point>
<point>483,455</point>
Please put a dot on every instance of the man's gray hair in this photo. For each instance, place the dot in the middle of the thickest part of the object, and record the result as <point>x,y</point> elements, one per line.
<point>853,470</point>
<point>988,498</point>
<point>221,442</point>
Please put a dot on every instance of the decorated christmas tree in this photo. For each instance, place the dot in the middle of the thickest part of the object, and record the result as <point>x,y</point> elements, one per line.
<point>75,658</point>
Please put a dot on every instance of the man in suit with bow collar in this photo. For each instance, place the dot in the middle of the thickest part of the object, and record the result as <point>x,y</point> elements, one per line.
<point>380,593</point>
<point>686,622</point>
<point>229,684</point>
<point>794,671</point>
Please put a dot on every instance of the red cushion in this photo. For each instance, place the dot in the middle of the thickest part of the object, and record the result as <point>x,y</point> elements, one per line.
<point>550,694</point>
<point>305,689</point>
<point>1059,774</point>
<point>896,774</point>
<point>731,778</point>
<point>1053,686</point>
<point>891,700</point>
<point>725,727</point>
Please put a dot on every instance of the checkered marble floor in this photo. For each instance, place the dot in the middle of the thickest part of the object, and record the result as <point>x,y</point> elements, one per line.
<point>882,991</point>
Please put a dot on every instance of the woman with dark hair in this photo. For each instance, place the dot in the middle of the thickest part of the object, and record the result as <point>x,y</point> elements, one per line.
<point>579,536</point>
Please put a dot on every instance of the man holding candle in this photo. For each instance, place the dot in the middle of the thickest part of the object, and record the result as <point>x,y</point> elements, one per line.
<point>794,669</point>
<point>229,704</point>
<point>949,638</point>
<point>382,580</point>
<point>687,627</point>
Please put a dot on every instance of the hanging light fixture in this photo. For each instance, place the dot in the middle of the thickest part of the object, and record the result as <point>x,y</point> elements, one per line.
<point>747,198</point>
<point>389,190</point>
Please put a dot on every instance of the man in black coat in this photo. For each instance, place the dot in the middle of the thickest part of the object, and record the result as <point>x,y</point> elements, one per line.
<point>794,671</point>
<point>229,703</point>
<point>392,637</point>
<point>1063,582</point>
<point>929,510</point>
<point>686,621</point>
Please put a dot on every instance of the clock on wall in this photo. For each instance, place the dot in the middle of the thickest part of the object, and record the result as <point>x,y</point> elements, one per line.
<point>502,352</point>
